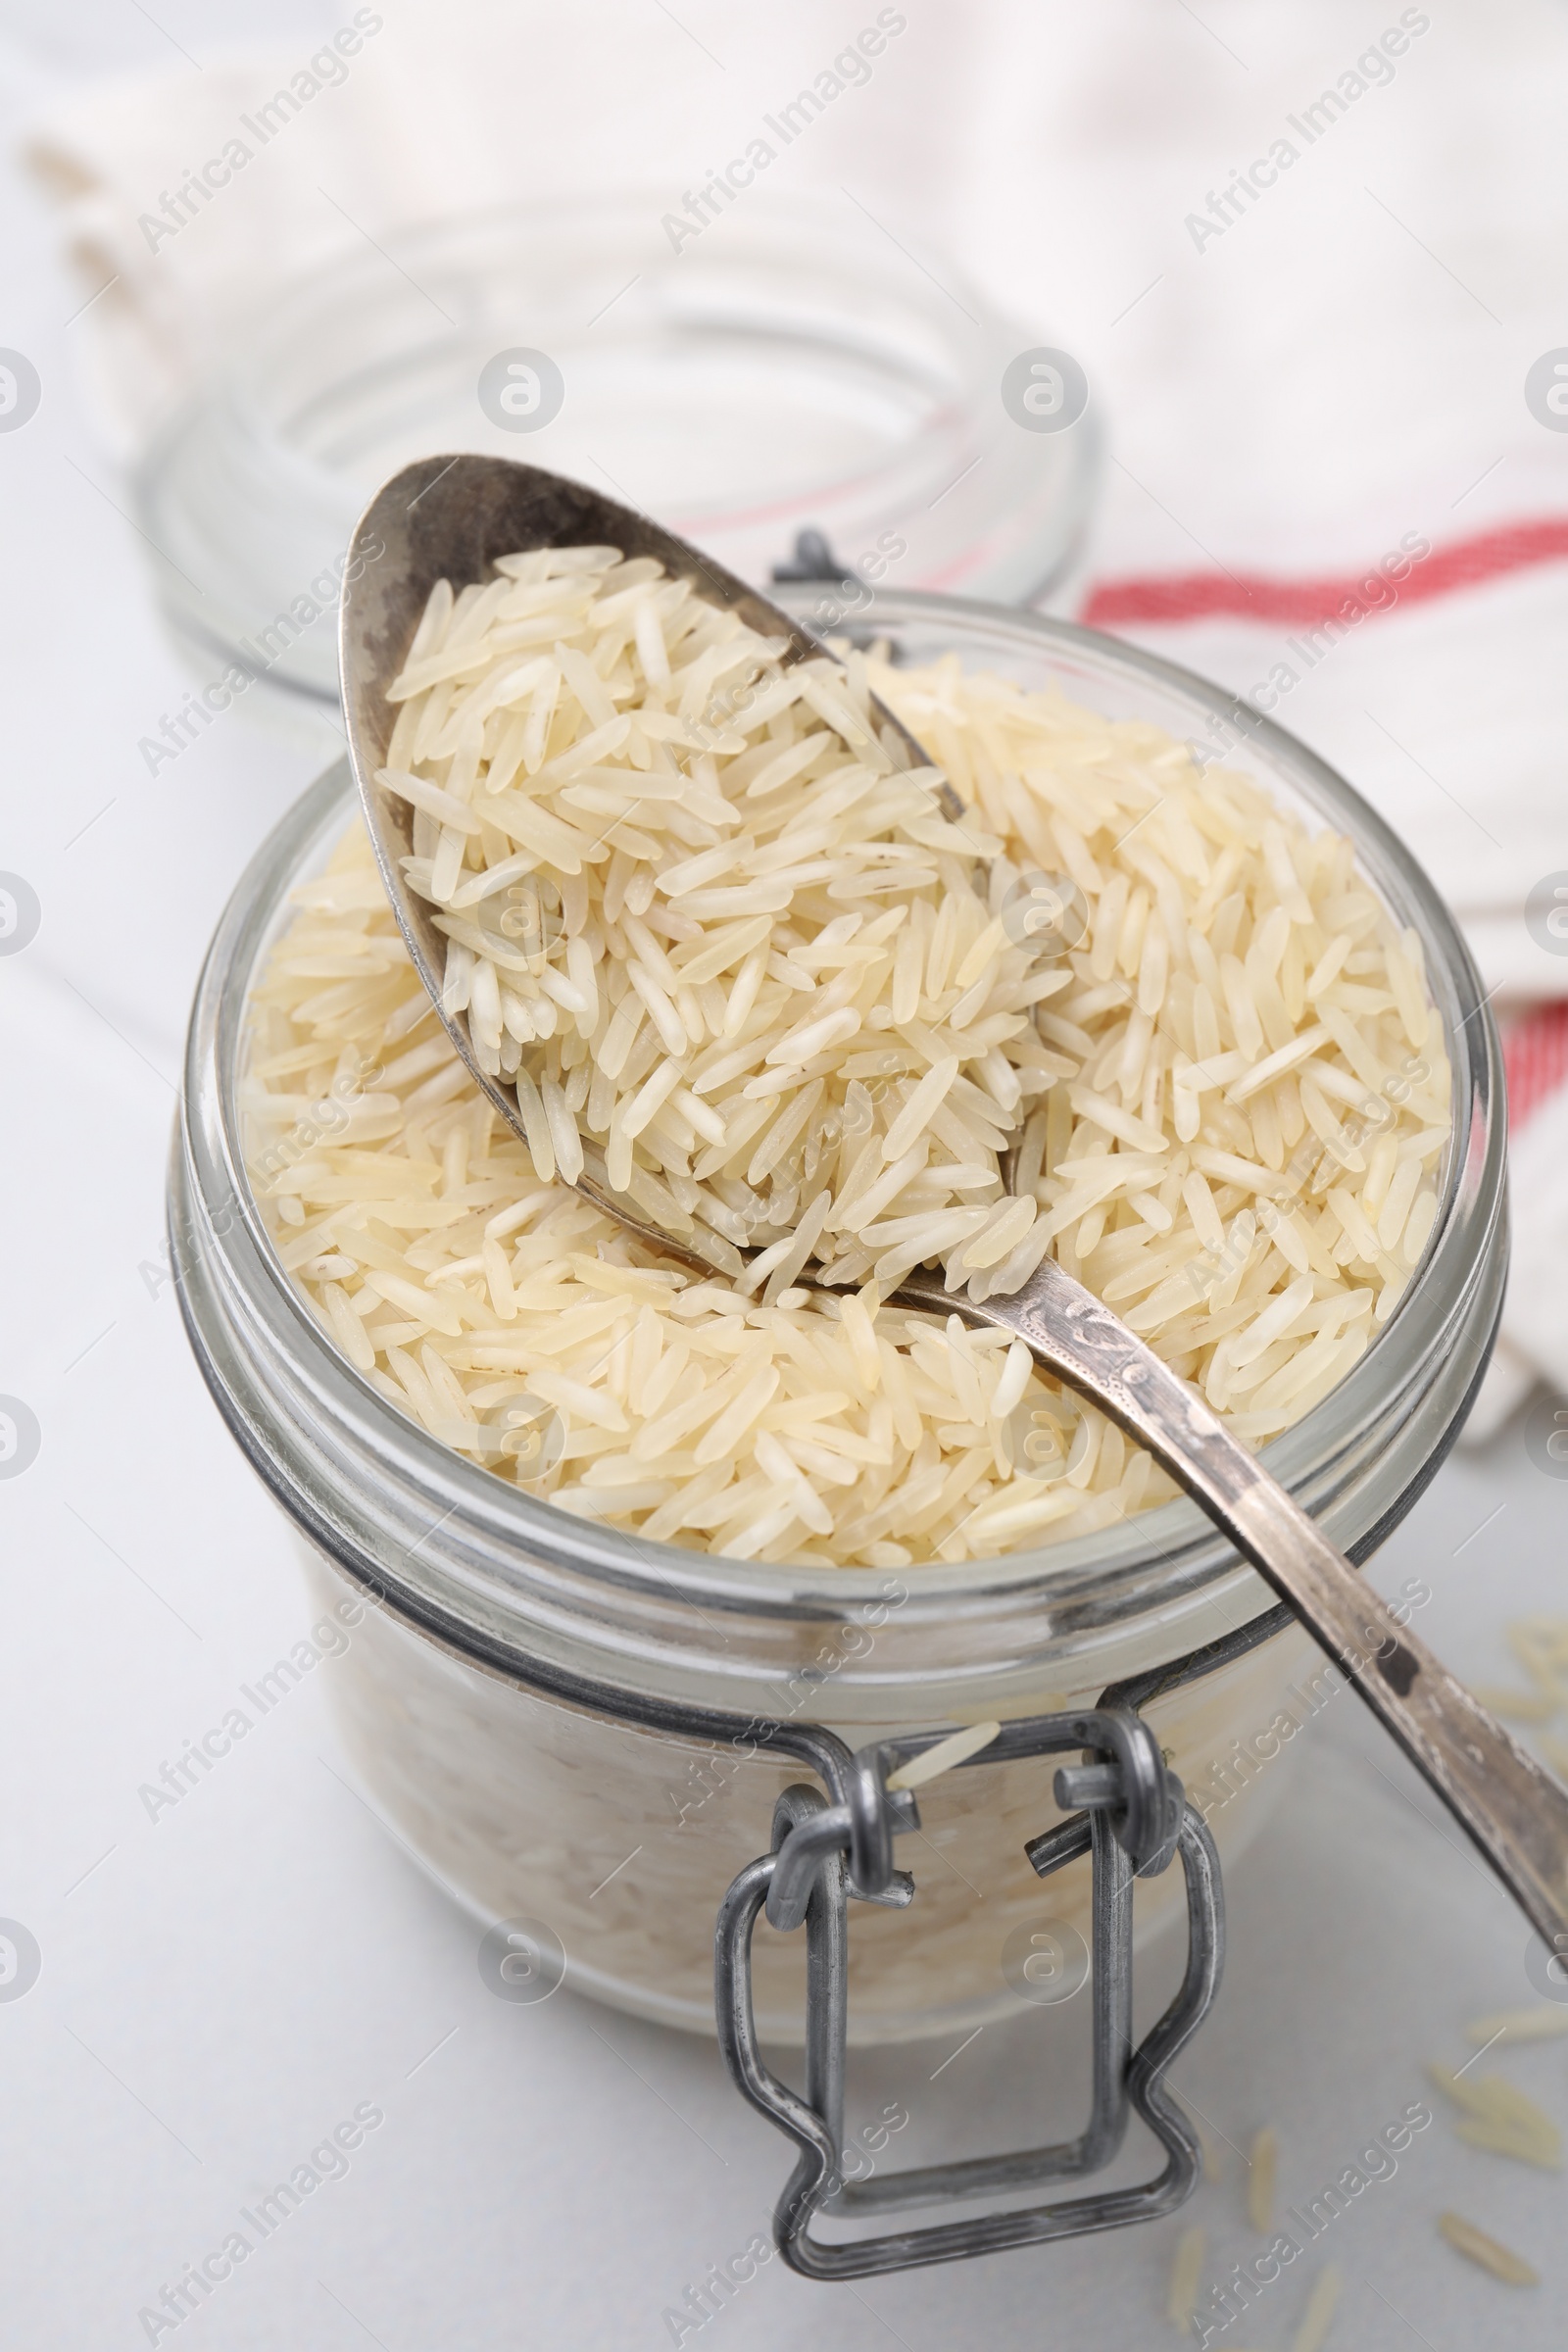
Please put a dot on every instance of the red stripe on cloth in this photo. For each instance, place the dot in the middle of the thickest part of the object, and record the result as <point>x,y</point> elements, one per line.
<point>1255,595</point>
<point>1535,1058</point>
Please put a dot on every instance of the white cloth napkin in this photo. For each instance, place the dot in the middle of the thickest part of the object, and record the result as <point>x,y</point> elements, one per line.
<point>1301,381</point>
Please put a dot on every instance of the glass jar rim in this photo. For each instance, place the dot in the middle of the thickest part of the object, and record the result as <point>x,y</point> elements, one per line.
<point>902,432</point>
<point>783,218</point>
<point>504,1573</point>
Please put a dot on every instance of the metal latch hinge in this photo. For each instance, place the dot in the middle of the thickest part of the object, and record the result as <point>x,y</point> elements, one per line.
<point>1131,1817</point>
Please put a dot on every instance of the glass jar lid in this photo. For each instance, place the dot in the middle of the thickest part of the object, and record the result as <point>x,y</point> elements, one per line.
<point>790,369</point>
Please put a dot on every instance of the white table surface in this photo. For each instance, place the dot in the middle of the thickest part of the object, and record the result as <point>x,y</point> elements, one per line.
<point>220,1988</point>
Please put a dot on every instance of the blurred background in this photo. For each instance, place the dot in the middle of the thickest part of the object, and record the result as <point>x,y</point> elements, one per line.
<point>1238,331</point>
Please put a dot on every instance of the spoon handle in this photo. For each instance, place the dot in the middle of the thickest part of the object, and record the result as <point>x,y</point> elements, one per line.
<point>1516,1813</point>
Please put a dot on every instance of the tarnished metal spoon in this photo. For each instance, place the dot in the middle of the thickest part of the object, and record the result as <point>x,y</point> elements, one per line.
<point>448,519</point>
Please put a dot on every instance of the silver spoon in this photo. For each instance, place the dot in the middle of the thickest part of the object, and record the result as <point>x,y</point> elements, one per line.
<point>449,517</point>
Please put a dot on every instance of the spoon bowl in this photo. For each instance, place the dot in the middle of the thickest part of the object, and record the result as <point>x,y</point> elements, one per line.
<point>449,518</point>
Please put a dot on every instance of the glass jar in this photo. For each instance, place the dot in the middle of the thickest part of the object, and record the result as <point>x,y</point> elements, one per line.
<point>790,369</point>
<point>520,1696</point>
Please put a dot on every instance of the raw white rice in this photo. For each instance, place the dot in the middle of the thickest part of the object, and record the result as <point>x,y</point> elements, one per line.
<point>1542,2022</point>
<point>1261,2178</point>
<point>1489,2252</point>
<point>1239,1095</point>
<point>695,910</point>
<point>1321,2304</point>
<point>1186,2276</point>
<point>1540,1644</point>
<point>1516,1706</point>
<point>1499,2118</point>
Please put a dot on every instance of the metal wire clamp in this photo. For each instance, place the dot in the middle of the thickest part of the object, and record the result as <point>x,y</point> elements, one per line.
<point>1131,1817</point>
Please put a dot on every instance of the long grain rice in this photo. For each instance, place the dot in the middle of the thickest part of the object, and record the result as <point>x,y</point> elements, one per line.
<point>1264,2165</point>
<point>697,914</point>
<point>1477,2246</point>
<point>1542,2021</point>
<point>1186,2274</point>
<point>1501,2119</point>
<point>1317,2319</point>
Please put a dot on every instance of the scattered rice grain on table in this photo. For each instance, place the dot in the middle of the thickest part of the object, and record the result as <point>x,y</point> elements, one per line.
<point>1540,1644</point>
<point>1319,2317</point>
<point>1545,2022</point>
<point>1501,2119</point>
<point>1264,2161</point>
<point>1186,2276</point>
<point>1516,1706</point>
<point>1476,2246</point>
<point>771,980</point>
